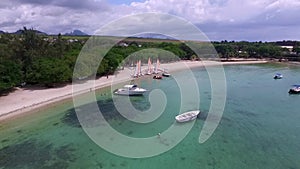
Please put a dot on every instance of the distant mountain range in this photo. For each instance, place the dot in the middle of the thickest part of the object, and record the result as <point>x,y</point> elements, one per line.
<point>36,31</point>
<point>73,33</point>
<point>154,36</point>
<point>76,33</point>
<point>18,32</point>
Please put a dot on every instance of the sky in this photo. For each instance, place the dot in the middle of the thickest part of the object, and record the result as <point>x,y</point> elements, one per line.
<point>250,20</point>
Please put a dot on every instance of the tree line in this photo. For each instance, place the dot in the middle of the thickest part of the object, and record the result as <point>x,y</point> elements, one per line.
<point>33,59</point>
<point>259,49</point>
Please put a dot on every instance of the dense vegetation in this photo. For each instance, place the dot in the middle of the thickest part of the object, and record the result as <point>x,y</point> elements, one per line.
<point>32,58</point>
<point>245,49</point>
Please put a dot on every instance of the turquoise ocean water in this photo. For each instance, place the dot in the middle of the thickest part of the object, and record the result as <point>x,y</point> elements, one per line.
<point>259,128</point>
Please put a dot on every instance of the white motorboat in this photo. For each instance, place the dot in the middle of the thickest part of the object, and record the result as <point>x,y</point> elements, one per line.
<point>278,76</point>
<point>295,89</point>
<point>130,90</point>
<point>166,74</point>
<point>187,116</point>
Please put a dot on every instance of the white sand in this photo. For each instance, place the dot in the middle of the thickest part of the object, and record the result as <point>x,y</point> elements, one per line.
<point>25,100</point>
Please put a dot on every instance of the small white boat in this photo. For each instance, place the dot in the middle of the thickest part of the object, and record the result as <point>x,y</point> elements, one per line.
<point>165,74</point>
<point>278,76</point>
<point>187,116</point>
<point>130,90</point>
<point>295,89</point>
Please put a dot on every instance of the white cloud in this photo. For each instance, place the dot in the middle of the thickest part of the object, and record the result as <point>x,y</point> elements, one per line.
<point>164,24</point>
<point>200,11</point>
<point>213,16</point>
<point>194,10</point>
<point>51,18</point>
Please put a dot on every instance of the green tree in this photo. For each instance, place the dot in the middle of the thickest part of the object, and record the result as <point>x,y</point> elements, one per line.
<point>30,46</point>
<point>225,50</point>
<point>10,74</point>
<point>48,71</point>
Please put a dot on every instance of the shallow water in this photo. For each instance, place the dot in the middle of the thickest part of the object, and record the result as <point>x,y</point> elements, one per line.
<point>259,128</point>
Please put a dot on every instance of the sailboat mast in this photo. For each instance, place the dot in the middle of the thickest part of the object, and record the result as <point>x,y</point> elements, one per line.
<point>149,67</point>
<point>156,66</point>
<point>136,69</point>
<point>140,68</point>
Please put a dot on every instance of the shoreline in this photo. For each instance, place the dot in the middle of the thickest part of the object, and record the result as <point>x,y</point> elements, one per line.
<point>24,101</point>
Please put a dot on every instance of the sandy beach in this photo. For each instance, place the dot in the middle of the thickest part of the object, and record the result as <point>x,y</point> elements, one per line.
<point>24,100</point>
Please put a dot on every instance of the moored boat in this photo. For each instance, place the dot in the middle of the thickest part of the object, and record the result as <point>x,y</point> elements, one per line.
<point>165,74</point>
<point>130,90</point>
<point>138,70</point>
<point>278,76</point>
<point>150,69</point>
<point>187,116</point>
<point>157,77</point>
<point>156,67</point>
<point>295,89</point>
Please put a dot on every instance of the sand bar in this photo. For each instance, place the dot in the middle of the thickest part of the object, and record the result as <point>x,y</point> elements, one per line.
<point>25,100</point>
